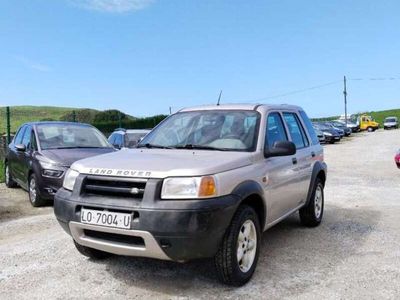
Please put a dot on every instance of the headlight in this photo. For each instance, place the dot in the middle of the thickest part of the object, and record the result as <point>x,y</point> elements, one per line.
<point>51,169</point>
<point>69,180</point>
<point>328,134</point>
<point>189,187</point>
<point>52,173</point>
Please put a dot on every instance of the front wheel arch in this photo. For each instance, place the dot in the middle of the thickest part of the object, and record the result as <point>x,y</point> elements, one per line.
<point>252,194</point>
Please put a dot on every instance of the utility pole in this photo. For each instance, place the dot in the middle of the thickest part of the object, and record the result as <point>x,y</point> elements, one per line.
<point>170,110</point>
<point>345,99</point>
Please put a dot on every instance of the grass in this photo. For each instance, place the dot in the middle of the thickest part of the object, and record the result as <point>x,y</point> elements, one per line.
<point>1,171</point>
<point>23,114</point>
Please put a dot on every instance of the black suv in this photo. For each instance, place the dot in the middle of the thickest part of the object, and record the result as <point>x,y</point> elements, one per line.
<point>42,152</point>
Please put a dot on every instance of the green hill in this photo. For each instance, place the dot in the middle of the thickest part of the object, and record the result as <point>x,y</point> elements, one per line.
<point>380,116</point>
<point>23,114</point>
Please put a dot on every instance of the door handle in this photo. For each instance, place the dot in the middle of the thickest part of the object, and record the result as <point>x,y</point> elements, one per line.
<point>313,154</point>
<point>294,160</point>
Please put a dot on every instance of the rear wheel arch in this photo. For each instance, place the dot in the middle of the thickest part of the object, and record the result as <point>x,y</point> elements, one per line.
<point>319,171</point>
<point>322,176</point>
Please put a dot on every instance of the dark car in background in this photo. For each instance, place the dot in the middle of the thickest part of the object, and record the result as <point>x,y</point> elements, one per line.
<point>347,131</point>
<point>338,130</point>
<point>127,138</point>
<point>320,135</point>
<point>41,153</point>
<point>331,135</point>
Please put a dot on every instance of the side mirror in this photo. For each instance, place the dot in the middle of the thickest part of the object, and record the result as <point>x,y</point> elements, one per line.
<point>20,147</point>
<point>280,148</point>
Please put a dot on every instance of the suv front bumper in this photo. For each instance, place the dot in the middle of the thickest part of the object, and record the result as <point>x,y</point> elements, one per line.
<point>178,230</point>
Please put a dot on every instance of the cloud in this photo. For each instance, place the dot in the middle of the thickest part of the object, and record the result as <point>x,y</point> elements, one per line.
<point>112,6</point>
<point>32,64</point>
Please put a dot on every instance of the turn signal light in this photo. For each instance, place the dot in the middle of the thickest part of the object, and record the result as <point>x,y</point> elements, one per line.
<point>207,187</point>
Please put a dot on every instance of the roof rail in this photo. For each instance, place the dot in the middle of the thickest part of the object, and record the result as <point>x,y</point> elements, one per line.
<point>120,129</point>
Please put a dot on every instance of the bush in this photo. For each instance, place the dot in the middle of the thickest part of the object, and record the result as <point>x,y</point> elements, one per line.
<point>111,115</point>
<point>140,123</point>
<point>81,115</point>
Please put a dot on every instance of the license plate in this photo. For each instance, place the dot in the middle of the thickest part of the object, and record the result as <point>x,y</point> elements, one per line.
<point>106,218</point>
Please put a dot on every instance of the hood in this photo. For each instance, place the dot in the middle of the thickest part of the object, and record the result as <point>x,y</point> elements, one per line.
<point>331,131</point>
<point>162,163</point>
<point>66,157</point>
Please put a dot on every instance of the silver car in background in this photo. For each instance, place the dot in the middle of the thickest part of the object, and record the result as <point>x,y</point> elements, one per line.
<point>391,123</point>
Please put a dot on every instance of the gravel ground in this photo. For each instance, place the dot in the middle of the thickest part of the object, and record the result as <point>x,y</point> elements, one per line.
<point>354,254</point>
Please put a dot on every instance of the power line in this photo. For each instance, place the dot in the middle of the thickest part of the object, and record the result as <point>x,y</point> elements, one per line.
<point>298,91</point>
<point>323,85</point>
<point>375,79</point>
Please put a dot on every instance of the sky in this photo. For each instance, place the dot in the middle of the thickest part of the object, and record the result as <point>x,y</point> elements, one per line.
<point>144,56</point>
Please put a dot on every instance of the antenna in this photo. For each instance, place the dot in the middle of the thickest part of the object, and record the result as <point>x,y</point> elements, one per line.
<point>219,98</point>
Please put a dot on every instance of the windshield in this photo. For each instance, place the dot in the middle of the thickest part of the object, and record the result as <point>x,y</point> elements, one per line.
<point>229,130</point>
<point>63,136</point>
<point>390,120</point>
<point>322,126</point>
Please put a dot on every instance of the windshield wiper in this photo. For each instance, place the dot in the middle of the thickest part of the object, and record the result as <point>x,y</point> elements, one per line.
<point>148,145</point>
<point>200,147</point>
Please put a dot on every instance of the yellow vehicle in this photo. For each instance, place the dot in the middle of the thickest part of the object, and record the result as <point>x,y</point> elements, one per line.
<point>367,123</point>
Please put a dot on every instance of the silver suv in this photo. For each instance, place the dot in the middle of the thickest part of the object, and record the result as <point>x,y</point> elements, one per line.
<point>206,182</point>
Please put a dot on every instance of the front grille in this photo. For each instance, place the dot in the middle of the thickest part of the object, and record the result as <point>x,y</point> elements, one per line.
<point>114,237</point>
<point>114,187</point>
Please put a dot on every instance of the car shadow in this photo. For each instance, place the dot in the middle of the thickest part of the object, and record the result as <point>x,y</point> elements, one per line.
<point>291,258</point>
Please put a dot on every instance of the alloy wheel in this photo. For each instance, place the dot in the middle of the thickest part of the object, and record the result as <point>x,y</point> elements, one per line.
<point>7,175</point>
<point>318,198</point>
<point>246,246</point>
<point>32,190</point>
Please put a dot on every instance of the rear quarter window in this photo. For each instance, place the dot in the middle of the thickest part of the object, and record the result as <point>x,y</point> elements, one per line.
<point>310,128</point>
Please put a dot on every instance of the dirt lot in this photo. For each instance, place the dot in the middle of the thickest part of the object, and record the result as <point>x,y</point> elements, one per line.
<point>355,253</point>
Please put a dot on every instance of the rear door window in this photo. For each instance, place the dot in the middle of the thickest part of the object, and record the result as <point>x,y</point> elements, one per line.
<point>296,130</point>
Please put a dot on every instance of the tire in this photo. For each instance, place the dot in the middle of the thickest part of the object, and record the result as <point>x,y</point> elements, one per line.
<point>91,253</point>
<point>370,129</point>
<point>33,191</point>
<point>311,214</point>
<point>230,270</point>
<point>10,183</point>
